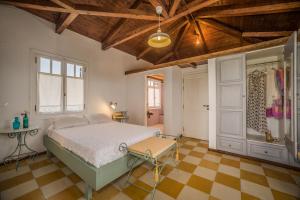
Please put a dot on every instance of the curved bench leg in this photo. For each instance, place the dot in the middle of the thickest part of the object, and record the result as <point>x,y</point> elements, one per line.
<point>88,192</point>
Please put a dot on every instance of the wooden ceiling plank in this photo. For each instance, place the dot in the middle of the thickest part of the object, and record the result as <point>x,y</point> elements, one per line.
<point>64,23</point>
<point>197,26</point>
<point>180,36</point>
<point>156,3</point>
<point>35,6</point>
<point>165,57</point>
<point>174,7</point>
<point>251,10</point>
<point>89,10</point>
<point>227,29</point>
<point>145,29</point>
<point>170,31</point>
<point>118,26</point>
<point>267,34</point>
<point>199,58</point>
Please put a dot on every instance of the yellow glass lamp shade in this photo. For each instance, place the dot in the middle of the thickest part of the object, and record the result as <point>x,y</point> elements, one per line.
<point>159,39</point>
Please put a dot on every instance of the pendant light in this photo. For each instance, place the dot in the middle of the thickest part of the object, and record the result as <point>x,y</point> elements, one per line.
<point>159,39</point>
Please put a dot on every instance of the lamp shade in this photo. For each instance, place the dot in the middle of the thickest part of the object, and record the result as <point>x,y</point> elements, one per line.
<point>159,39</point>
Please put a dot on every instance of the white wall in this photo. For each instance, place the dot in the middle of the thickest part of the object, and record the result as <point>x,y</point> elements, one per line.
<point>20,33</point>
<point>136,88</point>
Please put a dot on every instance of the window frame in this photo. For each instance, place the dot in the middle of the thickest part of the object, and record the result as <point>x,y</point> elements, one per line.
<point>160,92</point>
<point>35,56</point>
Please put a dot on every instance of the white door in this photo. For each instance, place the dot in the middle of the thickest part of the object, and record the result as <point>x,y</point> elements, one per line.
<point>195,110</point>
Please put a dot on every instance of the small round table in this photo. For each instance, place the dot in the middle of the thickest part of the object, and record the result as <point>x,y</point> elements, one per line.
<point>20,135</point>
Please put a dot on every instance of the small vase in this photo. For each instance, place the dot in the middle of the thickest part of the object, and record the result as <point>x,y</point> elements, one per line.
<point>16,123</point>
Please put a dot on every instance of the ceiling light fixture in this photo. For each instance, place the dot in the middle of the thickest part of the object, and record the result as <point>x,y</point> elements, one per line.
<point>159,39</point>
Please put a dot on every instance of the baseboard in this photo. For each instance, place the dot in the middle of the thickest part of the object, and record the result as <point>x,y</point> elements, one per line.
<point>25,157</point>
<point>256,159</point>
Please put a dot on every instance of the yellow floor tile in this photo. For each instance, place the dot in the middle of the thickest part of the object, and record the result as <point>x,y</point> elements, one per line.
<point>4,185</point>
<point>137,193</point>
<point>196,154</point>
<point>228,180</point>
<point>253,162</point>
<point>232,163</point>
<point>166,170</point>
<point>34,195</point>
<point>279,175</point>
<point>170,187</point>
<point>40,164</point>
<point>48,178</point>
<point>253,177</point>
<point>74,178</point>
<point>202,145</point>
<point>283,196</point>
<point>108,192</point>
<point>200,183</point>
<point>139,171</point>
<point>71,193</point>
<point>188,167</point>
<point>186,146</point>
<point>12,165</point>
<point>209,164</point>
<point>246,196</point>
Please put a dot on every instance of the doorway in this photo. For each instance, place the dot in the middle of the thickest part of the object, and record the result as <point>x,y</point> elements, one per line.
<point>154,101</point>
<point>195,105</point>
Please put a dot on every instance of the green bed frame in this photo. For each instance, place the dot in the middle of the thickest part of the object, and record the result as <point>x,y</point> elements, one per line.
<point>94,178</point>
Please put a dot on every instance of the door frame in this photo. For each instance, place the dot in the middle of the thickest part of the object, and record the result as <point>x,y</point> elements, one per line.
<point>146,96</point>
<point>200,69</point>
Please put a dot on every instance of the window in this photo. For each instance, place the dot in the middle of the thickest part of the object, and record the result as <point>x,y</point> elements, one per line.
<point>60,85</point>
<point>154,93</point>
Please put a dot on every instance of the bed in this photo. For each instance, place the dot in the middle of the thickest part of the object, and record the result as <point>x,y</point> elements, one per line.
<point>92,150</point>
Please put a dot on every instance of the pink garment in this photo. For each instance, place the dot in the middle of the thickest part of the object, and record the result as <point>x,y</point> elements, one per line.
<point>277,109</point>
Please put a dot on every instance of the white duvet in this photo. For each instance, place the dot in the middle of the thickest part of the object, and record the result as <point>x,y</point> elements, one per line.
<point>98,144</point>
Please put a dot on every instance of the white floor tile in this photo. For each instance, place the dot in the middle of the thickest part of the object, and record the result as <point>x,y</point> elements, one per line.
<point>66,171</point>
<point>159,196</point>
<point>252,168</point>
<point>191,143</point>
<point>56,187</point>
<point>223,192</point>
<point>232,171</point>
<point>13,173</point>
<point>19,190</point>
<point>192,159</point>
<point>256,190</point>
<point>179,175</point>
<point>285,187</point>
<point>280,169</point>
<point>231,157</point>
<point>200,149</point>
<point>212,158</point>
<point>205,173</point>
<point>44,170</point>
<point>189,193</point>
<point>184,151</point>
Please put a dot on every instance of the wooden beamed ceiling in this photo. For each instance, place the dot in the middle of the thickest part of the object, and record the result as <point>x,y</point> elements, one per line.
<point>199,29</point>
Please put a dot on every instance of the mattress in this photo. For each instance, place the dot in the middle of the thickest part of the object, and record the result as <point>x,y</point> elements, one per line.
<point>98,144</point>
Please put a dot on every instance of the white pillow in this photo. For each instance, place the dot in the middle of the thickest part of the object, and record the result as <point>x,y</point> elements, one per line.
<point>98,118</point>
<point>69,121</point>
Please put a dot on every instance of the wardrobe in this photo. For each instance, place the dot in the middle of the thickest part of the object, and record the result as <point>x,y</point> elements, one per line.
<point>257,103</point>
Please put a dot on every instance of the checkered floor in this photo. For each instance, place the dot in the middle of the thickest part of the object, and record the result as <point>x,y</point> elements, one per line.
<point>201,174</point>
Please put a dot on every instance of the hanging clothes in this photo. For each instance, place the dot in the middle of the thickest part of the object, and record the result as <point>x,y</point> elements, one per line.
<point>256,102</point>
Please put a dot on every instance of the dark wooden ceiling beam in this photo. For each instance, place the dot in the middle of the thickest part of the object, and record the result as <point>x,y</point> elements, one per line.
<point>63,23</point>
<point>227,29</point>
<point>199,58</point>
<point>180,37</point>
<point>118,26</point>
<point>145,29</point>
<point>156,3</point>
<point>88,10</point>
<point>267,34</point>
<point>199,32</point>
<point>165,57</point>
<point>251,10</point>
<point>171,31</point>
<point>174,7</point>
